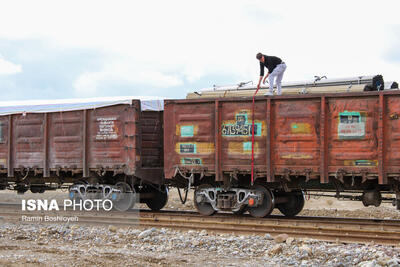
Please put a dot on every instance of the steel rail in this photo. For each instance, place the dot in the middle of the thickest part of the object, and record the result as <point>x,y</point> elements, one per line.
<point>341,230</point>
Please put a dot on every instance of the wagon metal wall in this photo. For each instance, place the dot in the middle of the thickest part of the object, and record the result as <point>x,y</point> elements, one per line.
<point>109,138</point>
<point>312,135</point>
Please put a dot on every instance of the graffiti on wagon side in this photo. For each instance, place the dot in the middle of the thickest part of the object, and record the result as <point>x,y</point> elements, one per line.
<point>241,126</point>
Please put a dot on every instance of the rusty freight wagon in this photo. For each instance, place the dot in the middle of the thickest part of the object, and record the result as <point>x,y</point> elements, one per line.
<point>343,142</point>
<point>104,148</point>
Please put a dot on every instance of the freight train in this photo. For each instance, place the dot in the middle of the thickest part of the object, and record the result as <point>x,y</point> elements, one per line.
<point>110,148</point>
<point>238,154</point>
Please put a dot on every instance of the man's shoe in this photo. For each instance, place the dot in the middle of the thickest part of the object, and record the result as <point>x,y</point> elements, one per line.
<point>268,93</point>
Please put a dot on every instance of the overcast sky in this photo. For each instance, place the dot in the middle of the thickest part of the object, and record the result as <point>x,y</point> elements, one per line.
<point>67,49</point>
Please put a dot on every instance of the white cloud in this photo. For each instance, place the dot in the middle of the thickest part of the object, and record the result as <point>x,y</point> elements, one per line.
<point>193,39</point>
<point>123,72</point>
<point>7,67</point>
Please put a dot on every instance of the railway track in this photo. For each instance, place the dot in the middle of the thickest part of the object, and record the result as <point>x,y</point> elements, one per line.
<point>341,230</point>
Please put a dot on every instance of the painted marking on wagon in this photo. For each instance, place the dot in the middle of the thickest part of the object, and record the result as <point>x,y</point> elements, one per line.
<point>187,131</point>
<point>361,163</point>
<point>242,148</point>
<point>300,128</point>
<point>351,125</point>
<point>187,148</point>
<point>191,161</point>
<point>296,156</point>
<point>247,146</point>
<point>241,126</point>
<point>107,129</point>
<point>194,148</point>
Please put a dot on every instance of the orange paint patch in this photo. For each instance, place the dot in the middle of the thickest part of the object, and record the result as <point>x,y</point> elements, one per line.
<point>300,128</point>
<point>194,148</point>
<point>296,156</point>
<point>242,148</point>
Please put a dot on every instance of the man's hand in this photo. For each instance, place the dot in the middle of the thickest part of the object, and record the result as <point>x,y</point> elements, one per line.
<point>259,81</point>
<point>265,78</point>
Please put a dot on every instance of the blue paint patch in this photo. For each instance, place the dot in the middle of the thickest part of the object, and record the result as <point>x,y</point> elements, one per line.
<point>247,146</point>
<point>365,163</point>
<point>191,161</point>
<point>187,131</point>
<point>187,148</point>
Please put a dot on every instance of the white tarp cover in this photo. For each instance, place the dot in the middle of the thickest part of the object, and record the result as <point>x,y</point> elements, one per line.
<point>151,103</point>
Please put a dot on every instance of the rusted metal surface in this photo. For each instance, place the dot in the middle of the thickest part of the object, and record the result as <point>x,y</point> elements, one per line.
<point>317,136</point>
<point>152,139</point>
<point>392,135</point>
<point>119,139</point>
<point>268,143</point>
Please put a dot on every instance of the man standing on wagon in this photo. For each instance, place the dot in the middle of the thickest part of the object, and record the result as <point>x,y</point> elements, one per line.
<point>276,67</point>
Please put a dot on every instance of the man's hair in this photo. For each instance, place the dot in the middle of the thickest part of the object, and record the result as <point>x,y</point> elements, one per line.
<point>259,56</point>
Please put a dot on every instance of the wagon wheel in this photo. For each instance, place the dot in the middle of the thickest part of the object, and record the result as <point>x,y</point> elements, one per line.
<point>160,199</point>
<point>294,205</point>
<point>126,199</point>
<point>203,208</point>
<point>267,204</point>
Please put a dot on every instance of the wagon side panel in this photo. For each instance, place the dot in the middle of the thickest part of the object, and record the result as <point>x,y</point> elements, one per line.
<point>236,129</point>
<point>189,134</point>
<point>66,144</point>
<point>353,135</point>
<point>113,136</point>
<point>296,136</point>
<point>152,139</point>
<point>28,141</point>
<point>392,135</point>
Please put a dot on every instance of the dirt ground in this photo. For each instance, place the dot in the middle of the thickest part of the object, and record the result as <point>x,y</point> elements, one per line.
<point>63,244</point>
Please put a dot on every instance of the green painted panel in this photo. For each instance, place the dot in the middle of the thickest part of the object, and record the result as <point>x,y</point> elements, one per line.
<point>191,161</point>
<point>246,146</point>
<point>187,131</point>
